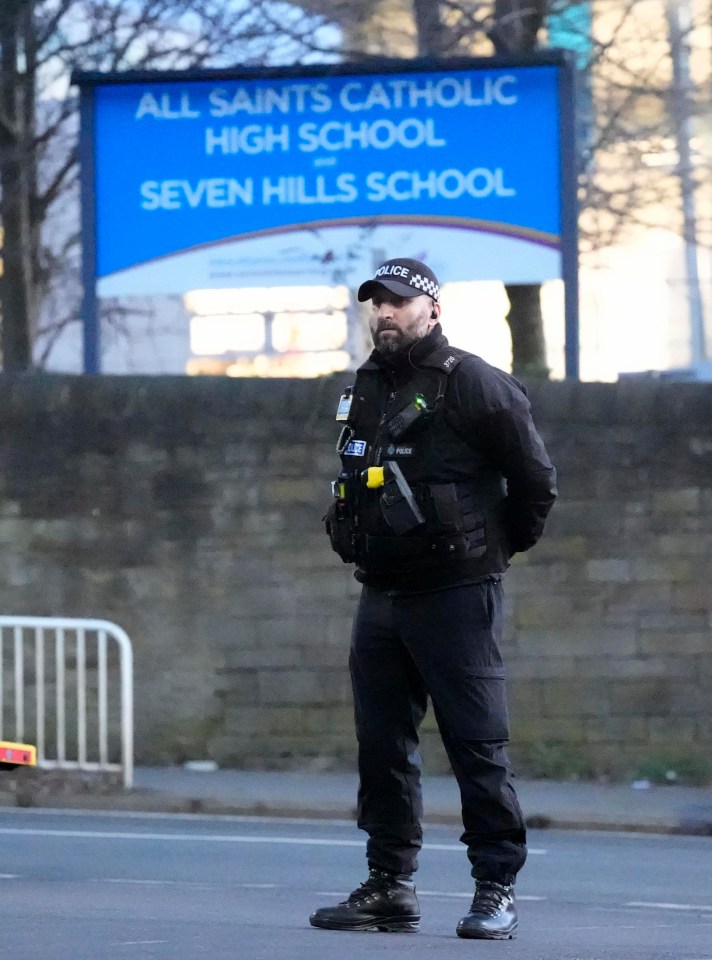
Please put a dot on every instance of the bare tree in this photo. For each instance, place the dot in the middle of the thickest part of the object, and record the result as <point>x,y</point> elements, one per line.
<point>432,36</point>
<point>40,42</point>
<point>16,177</point>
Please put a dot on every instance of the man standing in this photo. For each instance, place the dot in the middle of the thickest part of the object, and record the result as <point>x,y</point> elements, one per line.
<point>444,477</point>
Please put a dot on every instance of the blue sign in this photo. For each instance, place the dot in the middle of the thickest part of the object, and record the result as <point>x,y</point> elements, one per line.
<point>218,179</point>
<point>180,165</point>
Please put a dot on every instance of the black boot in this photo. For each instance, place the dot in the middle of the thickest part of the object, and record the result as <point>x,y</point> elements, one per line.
<point>493,914</point>
<point>383,902</point>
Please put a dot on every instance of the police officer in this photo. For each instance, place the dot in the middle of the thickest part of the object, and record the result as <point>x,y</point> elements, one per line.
<point>443,478</point>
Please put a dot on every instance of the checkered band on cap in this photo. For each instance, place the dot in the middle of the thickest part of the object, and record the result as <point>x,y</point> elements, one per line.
<point>425,284</point>
<point>403,276</point>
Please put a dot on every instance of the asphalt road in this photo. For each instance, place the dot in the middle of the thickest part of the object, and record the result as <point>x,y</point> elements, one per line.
<point>102,887</point>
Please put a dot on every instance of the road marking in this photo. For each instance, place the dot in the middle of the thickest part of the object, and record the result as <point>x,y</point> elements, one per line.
<point>209,838</point>
<point>621,926</point>
<point>9,876</point>
<point>188,883</point>
<point>669,906</point>
<point>38,812</point>
<point>178,837</point>
<point>137,943</point>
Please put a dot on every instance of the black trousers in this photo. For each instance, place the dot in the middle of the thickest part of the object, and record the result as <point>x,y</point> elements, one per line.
<point>443,644</point>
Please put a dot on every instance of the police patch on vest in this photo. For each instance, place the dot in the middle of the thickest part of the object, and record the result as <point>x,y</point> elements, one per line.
<point>356,448</point>
<point>400,451</point>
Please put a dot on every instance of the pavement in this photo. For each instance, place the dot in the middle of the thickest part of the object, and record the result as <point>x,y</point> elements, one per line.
<point>638,806</point>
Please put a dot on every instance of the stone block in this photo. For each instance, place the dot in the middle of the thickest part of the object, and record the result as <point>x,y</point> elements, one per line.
<point>9,508</point>
<point>688,699</point>
<point>525,668</point>
<point>616,730</point>
<point>679,734</point>
<point>562,548</point>
<point>679,544</point>
<point>694,595</point>
<point>284,491</point>
<point>237,687</point>
<point>676,502</point>
<point>289,686</point>
<point>703,734</point>
<point>577,521</point>
<point>640,697</point>
<point>259,602</point>
<point>703,667</point>
<point>627,601</point>
<point>637,667</point>
<point>16,532</point>
<point>285,720</point>
<point>283,458</point>
<point>595,405</point>
<point>525,698</point>
<point>325,656</point>
<point>548,729</point>
<point>571,698</point>
<point>265,657</point>
<point>242,720</point>
<point>296,631</point>
<point>543,610</point>
<point>224,633</point>
<point>334,686</point>
<point>314,554</point>
<point>338,631</point>
<point>615,640</point>
<point>330,719</point>
<point>526,576</point>
<point>673,621</point>
<point>617,570</point>
<point>679,642</point>
<point>577,608</point>
<point>673,569</point>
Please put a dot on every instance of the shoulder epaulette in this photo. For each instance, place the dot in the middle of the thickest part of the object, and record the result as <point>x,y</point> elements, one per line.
<point>446,359</point>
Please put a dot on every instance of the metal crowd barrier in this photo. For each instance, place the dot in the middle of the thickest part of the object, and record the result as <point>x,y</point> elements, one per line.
<point>83,638</point>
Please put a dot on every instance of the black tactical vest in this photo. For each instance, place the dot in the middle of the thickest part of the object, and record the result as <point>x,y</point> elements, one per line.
<point>458,492</point>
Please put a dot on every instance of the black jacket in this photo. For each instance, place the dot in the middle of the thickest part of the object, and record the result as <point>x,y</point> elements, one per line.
<point>474,461</point>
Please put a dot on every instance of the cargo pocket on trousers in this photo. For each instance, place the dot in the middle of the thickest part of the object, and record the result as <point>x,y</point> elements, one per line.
<point>489,719</point>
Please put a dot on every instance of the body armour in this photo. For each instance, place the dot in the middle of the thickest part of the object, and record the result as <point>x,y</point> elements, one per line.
<point>458,533</point>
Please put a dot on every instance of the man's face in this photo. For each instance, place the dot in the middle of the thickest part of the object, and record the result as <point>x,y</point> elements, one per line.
<point>397,322</point>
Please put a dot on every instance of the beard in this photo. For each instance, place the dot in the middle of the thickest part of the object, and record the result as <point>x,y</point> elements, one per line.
<point>387,338</point>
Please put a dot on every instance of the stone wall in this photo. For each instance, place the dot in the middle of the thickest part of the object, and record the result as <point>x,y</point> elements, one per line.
<point>189,511</point>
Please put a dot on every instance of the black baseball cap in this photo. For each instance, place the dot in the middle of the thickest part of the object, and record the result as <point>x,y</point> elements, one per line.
<point>403,276</point>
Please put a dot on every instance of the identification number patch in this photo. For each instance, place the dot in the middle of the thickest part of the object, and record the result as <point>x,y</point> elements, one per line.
<point>344,408</point>
<point>356,448</point>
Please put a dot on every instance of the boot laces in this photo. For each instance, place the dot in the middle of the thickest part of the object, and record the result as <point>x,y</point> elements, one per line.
<point>490,898</point>
<point>378,882</point>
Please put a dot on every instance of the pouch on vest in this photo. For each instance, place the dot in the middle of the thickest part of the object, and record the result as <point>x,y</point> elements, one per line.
<point>416,413</point>
<point>398,506</point>
<point>341,534</point>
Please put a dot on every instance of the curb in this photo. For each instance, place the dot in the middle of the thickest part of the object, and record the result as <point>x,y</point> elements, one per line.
<point>134,801</point>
